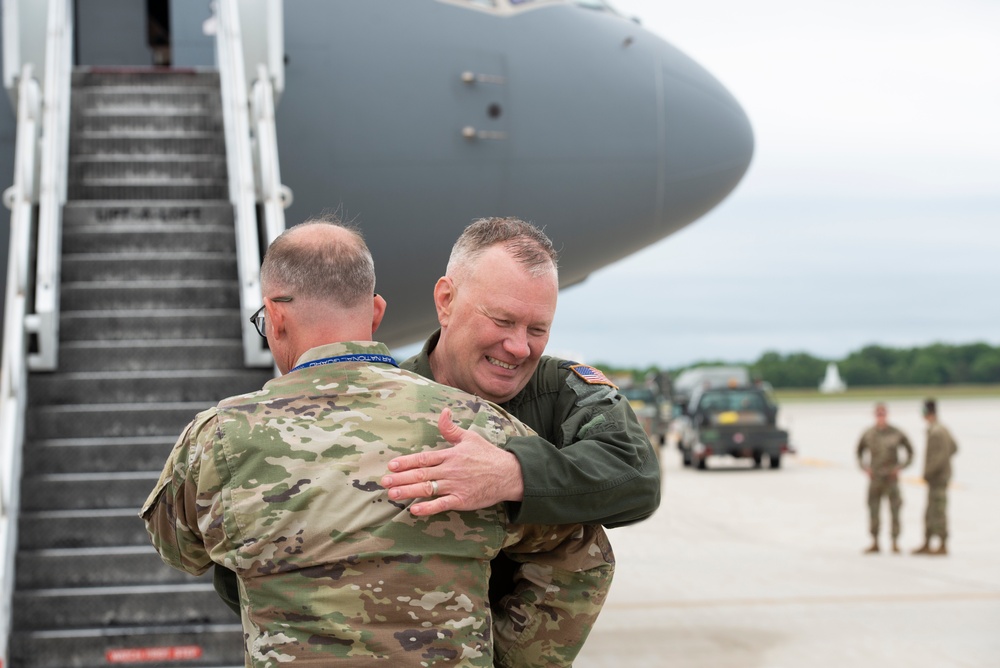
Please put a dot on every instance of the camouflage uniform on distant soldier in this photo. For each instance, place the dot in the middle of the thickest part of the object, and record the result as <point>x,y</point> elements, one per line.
<point>282,487</point>
<point>937,473</point>
<point>882,443</point>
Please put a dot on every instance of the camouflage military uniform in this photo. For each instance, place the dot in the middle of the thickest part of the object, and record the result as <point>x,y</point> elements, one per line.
<point>937,472</point>
<point>281,486</point>
<point>882,446</point>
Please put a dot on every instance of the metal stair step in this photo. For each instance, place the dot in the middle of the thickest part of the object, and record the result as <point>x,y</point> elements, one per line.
<point>116,325</point>
<point>149,265</point>
<point>137,121</point>
<point>151,214</point>
<point>189,189</point>
<point>160,99</point>
<point>94,567</point>
<point>87,491</point>
<point>147,143</point>
<point>144,294</point>
<point>92,455</point>
<point>114,355</point>
<point>173,604</point>
<point>99,420</point>
<point>149,168</point>
<point>89,527</point>
<point>205,645</point>
<point>86,77</point>
<point>138,237</point>
<point>186,385</point>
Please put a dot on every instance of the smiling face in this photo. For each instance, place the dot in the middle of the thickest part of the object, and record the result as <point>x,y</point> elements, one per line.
<point>495,322</point>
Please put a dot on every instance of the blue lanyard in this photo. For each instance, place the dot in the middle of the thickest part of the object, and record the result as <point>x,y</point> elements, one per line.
<point>359,357</point>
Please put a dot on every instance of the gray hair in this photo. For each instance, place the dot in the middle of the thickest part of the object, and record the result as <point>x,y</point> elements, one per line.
<point>306,261</point>
<point>526,243</point>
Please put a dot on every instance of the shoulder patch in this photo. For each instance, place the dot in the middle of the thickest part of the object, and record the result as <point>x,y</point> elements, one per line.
<point>590,375</point>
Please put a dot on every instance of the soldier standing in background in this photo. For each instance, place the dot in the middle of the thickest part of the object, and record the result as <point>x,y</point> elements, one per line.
<point>882,443</point>
<point>937,473</point>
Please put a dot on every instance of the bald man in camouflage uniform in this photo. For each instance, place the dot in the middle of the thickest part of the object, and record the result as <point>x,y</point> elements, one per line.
<point>881,443</point>
<point>941,447</point>
<point>282,486</point>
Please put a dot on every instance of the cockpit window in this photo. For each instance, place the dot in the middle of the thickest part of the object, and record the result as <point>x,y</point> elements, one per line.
<point>513,5</point>
<point>589,4</point>
<point>594,4</point>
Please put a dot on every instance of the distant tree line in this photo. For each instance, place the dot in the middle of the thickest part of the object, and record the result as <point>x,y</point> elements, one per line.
<point>937,364</point>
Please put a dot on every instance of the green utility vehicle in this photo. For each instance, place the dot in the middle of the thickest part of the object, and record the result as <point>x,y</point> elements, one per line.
<point>733,421</point>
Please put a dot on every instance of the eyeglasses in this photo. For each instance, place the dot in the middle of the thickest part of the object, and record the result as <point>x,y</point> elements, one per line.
<point>258,317</point>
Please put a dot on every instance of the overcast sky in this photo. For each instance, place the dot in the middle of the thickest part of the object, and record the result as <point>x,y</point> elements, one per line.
<point>870,213</point>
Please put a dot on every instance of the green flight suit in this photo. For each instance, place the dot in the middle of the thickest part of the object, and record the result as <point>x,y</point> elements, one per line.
<point>591,461</point>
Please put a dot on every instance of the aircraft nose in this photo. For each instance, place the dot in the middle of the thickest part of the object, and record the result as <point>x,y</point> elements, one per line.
<point>706,141</point>
<point>617,140</point>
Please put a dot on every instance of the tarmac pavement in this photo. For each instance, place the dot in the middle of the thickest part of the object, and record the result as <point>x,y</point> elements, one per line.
<point>764,568</point>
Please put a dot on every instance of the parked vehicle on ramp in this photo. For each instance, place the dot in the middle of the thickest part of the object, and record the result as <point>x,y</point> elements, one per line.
<point>734,421</point>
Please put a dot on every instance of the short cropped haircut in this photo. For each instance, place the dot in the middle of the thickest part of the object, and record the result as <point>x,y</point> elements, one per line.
<point>930,407</point>
<point>526,243</point>
<point>318,266</point>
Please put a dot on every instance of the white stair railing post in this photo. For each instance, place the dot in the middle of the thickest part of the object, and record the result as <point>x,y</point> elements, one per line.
<point>20,199</point>
<point>52,195</point>
<point>239,160</point>
<point>251,152</point>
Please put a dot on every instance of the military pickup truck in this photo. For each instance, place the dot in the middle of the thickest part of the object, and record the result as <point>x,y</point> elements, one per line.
<point>733,421</point>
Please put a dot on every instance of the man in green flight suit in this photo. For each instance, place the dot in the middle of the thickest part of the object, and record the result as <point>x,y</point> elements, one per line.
<point>882,443</point>
<point>591,461</point>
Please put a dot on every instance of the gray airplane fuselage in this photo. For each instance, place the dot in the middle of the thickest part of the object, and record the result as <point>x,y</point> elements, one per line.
<point>414,117</point>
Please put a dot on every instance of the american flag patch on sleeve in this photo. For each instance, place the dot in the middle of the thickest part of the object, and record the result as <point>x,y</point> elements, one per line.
<point>591,375</point>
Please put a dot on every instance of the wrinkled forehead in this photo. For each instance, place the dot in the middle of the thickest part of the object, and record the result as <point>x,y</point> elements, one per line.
<point>518,297</point>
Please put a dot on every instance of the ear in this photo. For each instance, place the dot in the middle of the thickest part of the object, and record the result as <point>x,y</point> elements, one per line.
<point>444,298</point>
<point>275,319</point>
<point>378,313</point>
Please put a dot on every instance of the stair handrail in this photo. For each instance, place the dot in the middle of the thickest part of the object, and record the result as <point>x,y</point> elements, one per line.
<point>239,161</point>
<point>274,197</point>
<point>44,323</point>
<point>20,198</point>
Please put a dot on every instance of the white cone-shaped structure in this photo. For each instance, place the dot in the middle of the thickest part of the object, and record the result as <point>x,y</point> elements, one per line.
<point>832,381</point>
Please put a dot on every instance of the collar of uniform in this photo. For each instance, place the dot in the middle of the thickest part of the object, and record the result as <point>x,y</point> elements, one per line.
<point>343,348</point>
<point>421,362</point>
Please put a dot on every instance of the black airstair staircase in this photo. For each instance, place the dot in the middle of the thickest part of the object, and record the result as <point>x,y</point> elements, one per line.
<point>150,334</point>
